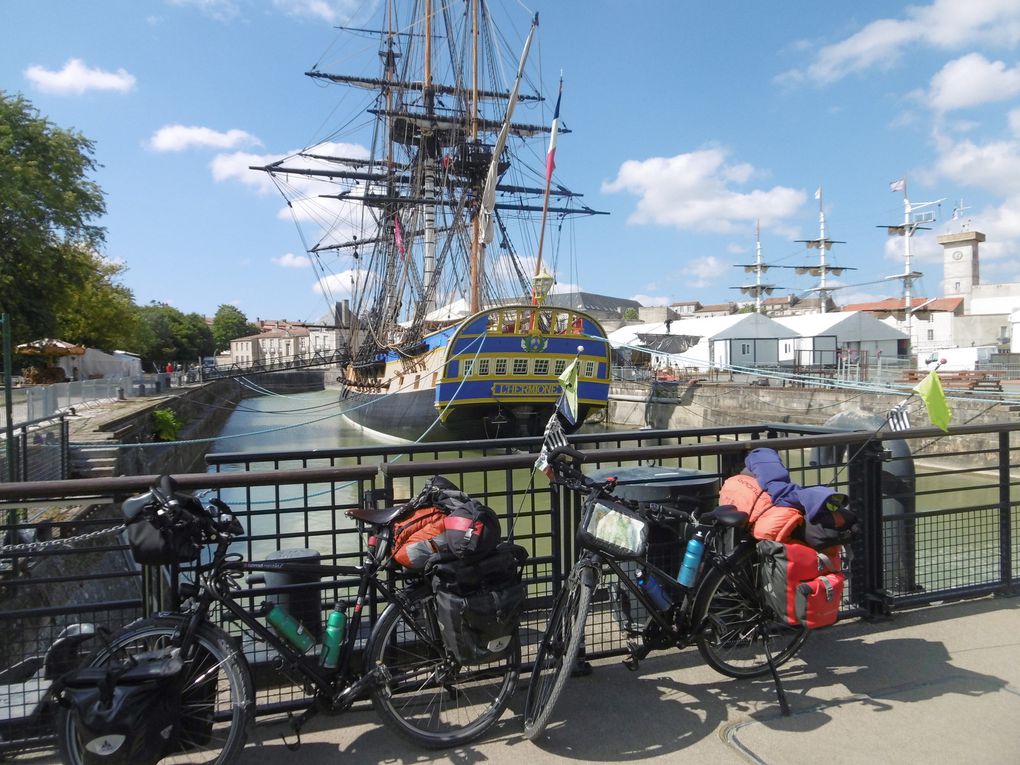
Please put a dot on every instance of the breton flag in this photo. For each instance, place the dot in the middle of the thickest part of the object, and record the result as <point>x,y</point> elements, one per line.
<point>900,185</point>
<point>554,437</point>
<point>898,419</point>
<point>550,158</point>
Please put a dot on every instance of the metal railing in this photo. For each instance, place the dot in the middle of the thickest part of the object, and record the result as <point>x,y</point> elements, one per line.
<point>935,527</point>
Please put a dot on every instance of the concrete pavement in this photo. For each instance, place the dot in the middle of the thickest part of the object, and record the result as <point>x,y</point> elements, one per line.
<point>934,685</point>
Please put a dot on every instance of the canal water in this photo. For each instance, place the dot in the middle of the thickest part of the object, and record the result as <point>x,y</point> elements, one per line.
<point>946,535</point>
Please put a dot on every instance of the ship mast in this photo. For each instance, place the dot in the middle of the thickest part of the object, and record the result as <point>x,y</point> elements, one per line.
<point>758,268</point>
<point>487,207</point>
<point>823,244</point>
<point>912,220</point>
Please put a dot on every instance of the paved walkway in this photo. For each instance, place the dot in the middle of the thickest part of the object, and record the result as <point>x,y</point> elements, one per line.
<point>934,685</point>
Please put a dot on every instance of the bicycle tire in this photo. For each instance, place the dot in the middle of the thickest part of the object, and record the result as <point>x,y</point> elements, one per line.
<point>735,626</point>
<point>558,650</point>
<point>423,694</point>
<point>200,737</point>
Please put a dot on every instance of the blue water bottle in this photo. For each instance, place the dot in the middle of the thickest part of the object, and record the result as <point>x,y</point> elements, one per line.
<point>692,559</point>
<point>653,588</point>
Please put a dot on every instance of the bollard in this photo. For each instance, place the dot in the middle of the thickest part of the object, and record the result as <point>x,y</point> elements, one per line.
<point>304,603</point>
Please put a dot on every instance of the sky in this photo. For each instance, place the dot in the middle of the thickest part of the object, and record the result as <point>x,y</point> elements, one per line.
<point>690,124</point>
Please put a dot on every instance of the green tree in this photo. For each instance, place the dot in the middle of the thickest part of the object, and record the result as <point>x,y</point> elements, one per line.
<point>230,323</point>
<point>48,209</point>
<point>174,336</point>
<point>100,313</point>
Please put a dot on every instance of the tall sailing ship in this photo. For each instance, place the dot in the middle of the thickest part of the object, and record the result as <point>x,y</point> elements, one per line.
<point>433,227</point>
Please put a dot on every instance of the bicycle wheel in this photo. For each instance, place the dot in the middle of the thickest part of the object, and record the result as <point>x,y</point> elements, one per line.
<point>423,693</point>
<point>216,700</point>
<point>736,623</point>
<point>559,648</point>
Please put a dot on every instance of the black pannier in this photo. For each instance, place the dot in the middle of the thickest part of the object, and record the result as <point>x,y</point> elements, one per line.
<point>479,602</point>
<point>125,715</point>
<point>159,539</point>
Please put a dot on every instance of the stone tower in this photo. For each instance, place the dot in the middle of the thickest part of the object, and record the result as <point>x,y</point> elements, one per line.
<point>960,264</point>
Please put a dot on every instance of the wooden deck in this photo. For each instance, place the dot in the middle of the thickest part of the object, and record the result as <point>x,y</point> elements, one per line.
<point>969,380</point>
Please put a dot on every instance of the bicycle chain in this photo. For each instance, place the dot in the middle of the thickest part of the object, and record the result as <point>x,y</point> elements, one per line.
<point>31,547</point>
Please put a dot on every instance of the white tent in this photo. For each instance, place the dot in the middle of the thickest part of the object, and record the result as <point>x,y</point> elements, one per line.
<point>743,339</point>
<point>855,333</point>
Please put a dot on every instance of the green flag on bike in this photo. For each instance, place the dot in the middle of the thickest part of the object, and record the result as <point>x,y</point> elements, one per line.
<point>930,391</point>
<point>568,400</point>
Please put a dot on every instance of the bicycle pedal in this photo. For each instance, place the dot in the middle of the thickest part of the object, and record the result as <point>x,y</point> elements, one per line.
<point>581,668</point>
<point>632,663</point>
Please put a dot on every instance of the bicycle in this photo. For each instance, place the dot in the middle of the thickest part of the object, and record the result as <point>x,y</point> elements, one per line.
<point>723,611</point>
<point>416,685</point>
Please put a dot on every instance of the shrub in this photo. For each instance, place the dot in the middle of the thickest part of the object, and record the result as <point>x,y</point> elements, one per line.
<point>166,424</point>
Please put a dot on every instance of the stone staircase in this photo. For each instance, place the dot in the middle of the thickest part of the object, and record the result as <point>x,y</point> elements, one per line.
<point>97,462</point>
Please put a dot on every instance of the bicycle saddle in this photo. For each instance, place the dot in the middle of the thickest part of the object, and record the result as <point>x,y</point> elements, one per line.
<point>726,515</point>
<point>375,517</point>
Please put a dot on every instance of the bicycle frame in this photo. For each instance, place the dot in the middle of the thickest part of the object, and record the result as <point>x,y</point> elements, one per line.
<point>341,684</point>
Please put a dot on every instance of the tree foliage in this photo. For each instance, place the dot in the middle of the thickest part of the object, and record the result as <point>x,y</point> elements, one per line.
<point>48,209</point>
<point>174,336</point>
<point>228,324</point>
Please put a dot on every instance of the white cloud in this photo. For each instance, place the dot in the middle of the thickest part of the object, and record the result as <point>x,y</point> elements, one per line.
<point>76,78</point>
<point>341,285</point>
<point>943,25</point>
<point>701,272</point>
<point>220,10</point>
<point>565,287</point>
<point>993,166</point>
<point>181,137</point>
<point>973,80</point>
<point>330,11</point>
<point>692,191</point>
<point>290,260</point>
<point>650,300</point>
<point>236,166</point>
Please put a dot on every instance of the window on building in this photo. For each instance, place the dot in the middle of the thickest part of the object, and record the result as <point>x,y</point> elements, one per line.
<point>589,369</point>
<point>469,366</point>
<point>520,366</point>
<point>558,366</point>
<point>483,366</point>
<point>957,288</point>
<point>931,334</point>
<point>541,366</point>
<point>745,349</point>
<point>501,366</point>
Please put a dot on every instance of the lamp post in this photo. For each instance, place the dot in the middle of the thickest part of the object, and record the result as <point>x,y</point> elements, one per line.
<point>541,284</point>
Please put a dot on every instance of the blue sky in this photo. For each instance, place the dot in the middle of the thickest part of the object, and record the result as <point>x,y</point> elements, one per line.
<point>689,122</point>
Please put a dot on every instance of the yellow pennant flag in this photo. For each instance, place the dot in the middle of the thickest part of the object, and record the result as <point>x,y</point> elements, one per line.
<point>930,391</point>
<point>568,401</point>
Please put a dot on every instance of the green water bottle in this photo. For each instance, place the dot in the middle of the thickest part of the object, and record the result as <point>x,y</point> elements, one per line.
<point>334,636</point>
<point>289,628</point>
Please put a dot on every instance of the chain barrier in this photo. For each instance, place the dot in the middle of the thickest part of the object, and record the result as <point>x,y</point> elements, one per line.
<point>31,547</point>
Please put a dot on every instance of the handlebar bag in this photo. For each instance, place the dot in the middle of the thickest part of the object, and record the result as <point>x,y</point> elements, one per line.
<point>804,586</point>
<point>613,528</point>
<point>155,544</point>
<point>479,603</point>
<point>125,716</point>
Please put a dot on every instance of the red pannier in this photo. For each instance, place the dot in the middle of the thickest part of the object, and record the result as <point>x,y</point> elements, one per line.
<point>419,536</point>
<point>804,585</point>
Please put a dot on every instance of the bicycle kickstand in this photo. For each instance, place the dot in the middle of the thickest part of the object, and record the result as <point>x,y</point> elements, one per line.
<point>296,724</point>
<point>783,705</point>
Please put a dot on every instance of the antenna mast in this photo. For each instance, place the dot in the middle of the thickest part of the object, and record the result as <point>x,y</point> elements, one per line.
<point>912,220</point>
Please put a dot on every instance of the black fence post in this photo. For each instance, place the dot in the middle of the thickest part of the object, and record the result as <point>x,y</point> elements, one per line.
<point>867,580</point>
<point>1005,518</point>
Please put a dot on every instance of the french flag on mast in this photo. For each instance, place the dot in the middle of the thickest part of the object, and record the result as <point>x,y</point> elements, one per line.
<point>550,158</point>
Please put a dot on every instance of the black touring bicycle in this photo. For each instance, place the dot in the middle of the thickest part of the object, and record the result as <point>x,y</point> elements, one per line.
<point>177,688</point>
